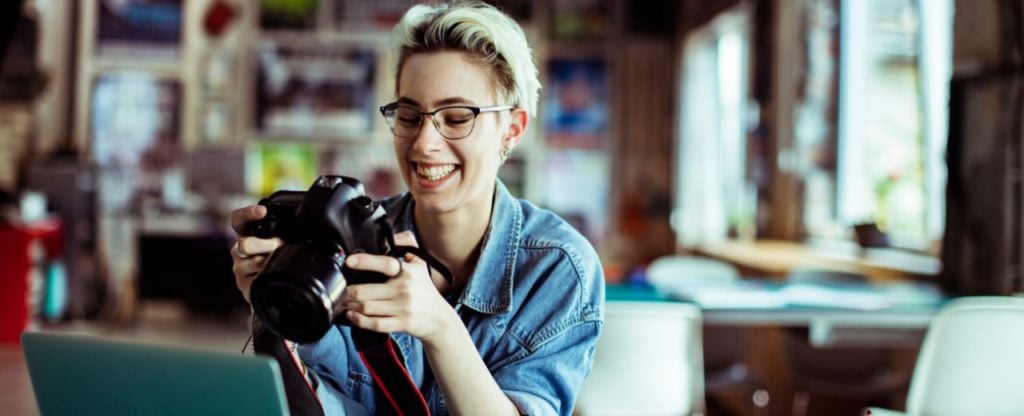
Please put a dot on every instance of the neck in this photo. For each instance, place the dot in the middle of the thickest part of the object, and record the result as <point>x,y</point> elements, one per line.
<point>455,237</point>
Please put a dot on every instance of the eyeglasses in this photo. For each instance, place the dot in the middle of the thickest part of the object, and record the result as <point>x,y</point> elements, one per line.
<point>453,122</point>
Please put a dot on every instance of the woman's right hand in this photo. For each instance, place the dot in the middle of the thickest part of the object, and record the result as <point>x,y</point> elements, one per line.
<point>249,253</point>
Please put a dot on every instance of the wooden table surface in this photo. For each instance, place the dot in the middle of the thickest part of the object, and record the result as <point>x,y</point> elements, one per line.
<point>17,398</point>
<point>767,258</point>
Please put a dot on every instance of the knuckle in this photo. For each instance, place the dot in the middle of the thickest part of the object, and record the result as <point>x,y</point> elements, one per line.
<point>404,291</point>
<point>374,325</point>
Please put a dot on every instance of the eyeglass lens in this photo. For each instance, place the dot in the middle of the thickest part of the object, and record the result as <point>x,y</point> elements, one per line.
<point>453,123</point>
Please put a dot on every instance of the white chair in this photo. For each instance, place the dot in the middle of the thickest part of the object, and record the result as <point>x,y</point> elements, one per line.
<point>726,374</point>
<point>971,362</point>
<point>647,362</point>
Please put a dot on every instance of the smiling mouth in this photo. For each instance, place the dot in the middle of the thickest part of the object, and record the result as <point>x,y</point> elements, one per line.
<point>433,172</point>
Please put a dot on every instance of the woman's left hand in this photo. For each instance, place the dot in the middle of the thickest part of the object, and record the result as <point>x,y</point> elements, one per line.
<point>410,301</point>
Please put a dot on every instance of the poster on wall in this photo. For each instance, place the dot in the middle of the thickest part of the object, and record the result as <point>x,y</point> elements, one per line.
<point>578,20</point>
<point>134,119</point>
<point>133,136</point>
<point>369,15</point>
<point>288,14</point>
<point>577,103</point>
<point>316,91</point>
<point>586,173</point>
<point>271,167</point>
<point>149,29</point>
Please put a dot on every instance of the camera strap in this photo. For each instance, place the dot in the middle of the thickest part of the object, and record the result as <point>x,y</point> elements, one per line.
<point>302,400</point>
<point>397,393</point>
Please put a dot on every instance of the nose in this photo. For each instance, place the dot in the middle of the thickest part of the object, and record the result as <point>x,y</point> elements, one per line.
<point>429,138</point>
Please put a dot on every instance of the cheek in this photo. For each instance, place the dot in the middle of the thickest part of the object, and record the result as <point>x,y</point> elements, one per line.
<point>400,151</point>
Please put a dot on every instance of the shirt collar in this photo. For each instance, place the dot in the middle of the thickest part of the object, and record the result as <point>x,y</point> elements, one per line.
<point>489,289</point>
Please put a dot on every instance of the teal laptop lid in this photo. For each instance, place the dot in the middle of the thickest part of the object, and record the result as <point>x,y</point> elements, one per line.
<point>82,375</point>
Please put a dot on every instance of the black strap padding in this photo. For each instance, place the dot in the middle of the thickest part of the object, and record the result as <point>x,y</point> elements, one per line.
<point>302,400</point>
<point>397,392</point>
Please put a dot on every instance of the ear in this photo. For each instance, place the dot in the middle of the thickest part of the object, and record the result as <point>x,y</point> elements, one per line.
<point>516,128</point>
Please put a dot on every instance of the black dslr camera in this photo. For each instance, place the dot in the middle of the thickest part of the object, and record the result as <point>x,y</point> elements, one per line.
<point>297,295</point>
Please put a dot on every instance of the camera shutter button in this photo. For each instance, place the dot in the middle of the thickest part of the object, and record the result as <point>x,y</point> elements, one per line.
<point>364,205</point>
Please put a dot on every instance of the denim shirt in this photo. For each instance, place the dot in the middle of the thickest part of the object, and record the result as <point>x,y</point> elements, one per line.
<point>534,308</point>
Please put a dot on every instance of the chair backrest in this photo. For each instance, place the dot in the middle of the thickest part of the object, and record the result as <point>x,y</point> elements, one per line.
<point>972,360</point>
<point>648,361</point>
<point>727,345</point>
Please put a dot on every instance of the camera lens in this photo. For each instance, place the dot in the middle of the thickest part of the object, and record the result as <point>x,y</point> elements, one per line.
<point>289,307</point>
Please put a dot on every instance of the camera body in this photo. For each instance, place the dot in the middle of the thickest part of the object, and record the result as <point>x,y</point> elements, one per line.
<point>297,294</point>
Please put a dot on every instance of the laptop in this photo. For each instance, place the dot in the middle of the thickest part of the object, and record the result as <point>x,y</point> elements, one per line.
<point>86,375</point>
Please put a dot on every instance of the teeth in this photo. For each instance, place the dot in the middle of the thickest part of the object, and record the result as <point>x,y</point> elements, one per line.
<point>435,172</point>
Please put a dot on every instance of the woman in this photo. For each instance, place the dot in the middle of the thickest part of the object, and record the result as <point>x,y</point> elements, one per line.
<point>514,332</point>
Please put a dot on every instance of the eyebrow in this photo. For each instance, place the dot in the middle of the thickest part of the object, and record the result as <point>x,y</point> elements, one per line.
<point>438,103</point>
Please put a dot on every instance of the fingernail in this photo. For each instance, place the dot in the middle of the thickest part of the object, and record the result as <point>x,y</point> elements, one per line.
<point>352,261</point>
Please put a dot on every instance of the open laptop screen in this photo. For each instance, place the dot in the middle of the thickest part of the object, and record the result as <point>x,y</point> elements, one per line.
<point>81,375</point>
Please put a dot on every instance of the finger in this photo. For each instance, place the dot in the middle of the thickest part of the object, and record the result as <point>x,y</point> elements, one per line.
<point>251,246</point>
<point>370,292</point>
<point>386,265</point>
<point>249,266</point>
<point>439,281</point>
<point>374,323</point>
<point>379,308</point>
<point>245,273</point>
<point>406,238</point>
<point>241,216</point>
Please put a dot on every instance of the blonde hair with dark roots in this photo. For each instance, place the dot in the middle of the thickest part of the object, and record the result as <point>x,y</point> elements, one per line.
<point>488,37</point>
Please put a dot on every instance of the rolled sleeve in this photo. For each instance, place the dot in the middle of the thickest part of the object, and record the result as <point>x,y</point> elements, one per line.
<point>546,380</point>
<point>335,402</point>
<point>328,360</point>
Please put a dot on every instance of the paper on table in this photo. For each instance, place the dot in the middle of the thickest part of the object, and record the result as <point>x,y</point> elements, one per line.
<point>810,295</point>
<point>850,297</point>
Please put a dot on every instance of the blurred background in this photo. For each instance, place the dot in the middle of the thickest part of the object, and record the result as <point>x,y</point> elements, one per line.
<point>880,138</point>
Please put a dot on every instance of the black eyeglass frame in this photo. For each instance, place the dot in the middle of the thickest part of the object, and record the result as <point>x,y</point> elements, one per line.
<point>437,123</point>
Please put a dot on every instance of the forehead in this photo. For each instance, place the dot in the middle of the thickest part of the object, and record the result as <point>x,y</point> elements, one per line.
<point>432,78</point>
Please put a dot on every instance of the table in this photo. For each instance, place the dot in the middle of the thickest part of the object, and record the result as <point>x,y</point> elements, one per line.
<point>883,315</point>
<point>17,397</point>
<point>766,309</point>
<point>778,258</point>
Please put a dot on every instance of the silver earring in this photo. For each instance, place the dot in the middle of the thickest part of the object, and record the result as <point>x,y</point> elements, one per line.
<point>505,152</point>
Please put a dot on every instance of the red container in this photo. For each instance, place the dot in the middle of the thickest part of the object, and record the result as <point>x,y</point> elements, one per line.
<point>15,265</point>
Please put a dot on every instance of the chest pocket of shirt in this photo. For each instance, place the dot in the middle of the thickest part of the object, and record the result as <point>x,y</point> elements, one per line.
<point>360,387</point>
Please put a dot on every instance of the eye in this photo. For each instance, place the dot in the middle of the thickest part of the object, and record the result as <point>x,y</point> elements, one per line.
<point>457,117</point>
<point>457,121</point>
<point>407,117</point>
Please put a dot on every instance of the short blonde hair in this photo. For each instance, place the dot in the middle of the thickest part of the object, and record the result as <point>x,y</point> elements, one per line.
<point>488,36</point>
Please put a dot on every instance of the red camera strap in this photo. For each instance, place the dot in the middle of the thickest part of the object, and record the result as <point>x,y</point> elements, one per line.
<point>397,393</point>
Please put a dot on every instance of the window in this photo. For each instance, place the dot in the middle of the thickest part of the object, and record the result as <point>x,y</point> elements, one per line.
<point>713,195</point>
<point>894,70</point>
